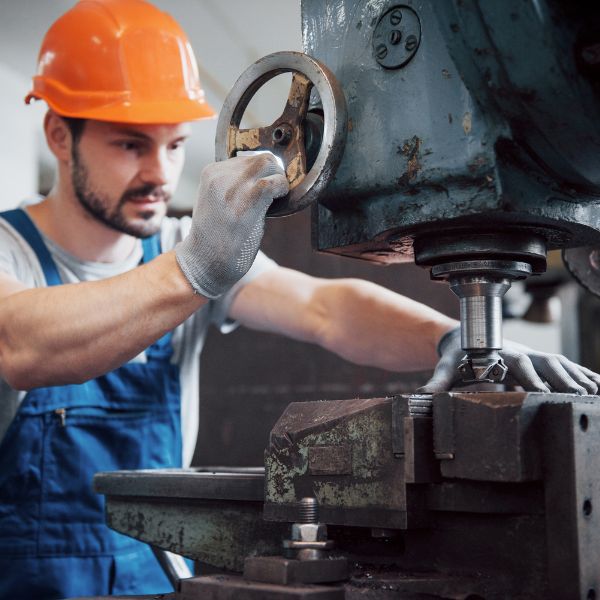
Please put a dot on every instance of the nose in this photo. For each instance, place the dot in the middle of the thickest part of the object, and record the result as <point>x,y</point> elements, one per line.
<point>155,167</point>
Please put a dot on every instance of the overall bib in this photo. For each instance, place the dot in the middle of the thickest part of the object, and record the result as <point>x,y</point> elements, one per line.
<point>53,540</point>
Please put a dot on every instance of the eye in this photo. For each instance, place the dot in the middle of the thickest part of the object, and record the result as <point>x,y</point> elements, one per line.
<point>178,145</point>
<point>130,146</point>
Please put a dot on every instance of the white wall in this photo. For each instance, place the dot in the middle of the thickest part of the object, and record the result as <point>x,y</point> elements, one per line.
<point>19,143</point>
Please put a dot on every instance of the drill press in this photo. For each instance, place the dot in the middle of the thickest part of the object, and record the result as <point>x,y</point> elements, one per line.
<point>474,146</point>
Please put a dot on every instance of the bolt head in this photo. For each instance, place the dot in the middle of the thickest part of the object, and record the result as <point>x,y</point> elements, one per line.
<point>411,43</point>
<point>396,17</point>
<point>395,37</point>
<point>282,134</point>
<point>381,51</point>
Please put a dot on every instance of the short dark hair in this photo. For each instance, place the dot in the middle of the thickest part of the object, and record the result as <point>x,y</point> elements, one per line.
<point>76,127</point>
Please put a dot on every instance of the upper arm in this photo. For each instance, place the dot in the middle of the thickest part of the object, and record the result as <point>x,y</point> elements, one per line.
<point>281,301</point>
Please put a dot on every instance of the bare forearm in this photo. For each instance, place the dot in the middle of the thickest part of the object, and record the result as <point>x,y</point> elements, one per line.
<point>358,320</point>
<point>370,325</point>
<point>71,333</point>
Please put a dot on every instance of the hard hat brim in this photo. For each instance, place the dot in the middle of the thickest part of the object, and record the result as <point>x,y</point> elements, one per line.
<point>167,112</point>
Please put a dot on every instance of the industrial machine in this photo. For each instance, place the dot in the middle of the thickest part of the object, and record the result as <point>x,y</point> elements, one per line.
<point>463,135</point>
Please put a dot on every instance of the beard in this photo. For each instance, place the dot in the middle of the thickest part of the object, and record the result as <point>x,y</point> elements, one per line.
<point>99,206</point>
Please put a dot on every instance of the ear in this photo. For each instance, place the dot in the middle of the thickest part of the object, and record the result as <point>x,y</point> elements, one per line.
<point>58,136</point>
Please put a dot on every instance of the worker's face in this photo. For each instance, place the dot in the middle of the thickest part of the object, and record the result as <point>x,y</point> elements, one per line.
<point>124,175</point>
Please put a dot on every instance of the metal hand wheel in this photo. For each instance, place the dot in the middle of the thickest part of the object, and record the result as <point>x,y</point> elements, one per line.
<point>584,265</point>
<point>286,136</point>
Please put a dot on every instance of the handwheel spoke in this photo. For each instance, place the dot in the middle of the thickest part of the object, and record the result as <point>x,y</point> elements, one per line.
<point>295,156</point>
<point>296,106</point>
<point>249,139</point>
<point>291,122</point>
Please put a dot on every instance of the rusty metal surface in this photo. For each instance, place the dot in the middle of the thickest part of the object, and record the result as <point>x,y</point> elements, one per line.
<point>498,556</point>
<point>330,460</point>
<point>495,493</point>
<point>524,63</point>
<point>467,449</point>
<point>205,482</point>
<point>572,488</point>
<point>286,571</point>
<point>388,585</point>
<point>368,493</point>
<point>389,452</point>
<point>227,587</point>
<point>467,134</point>
<point>475,461</point>
<point>218,533</point>
<point>211,515</point>
<point>172,596</point>
<point>285,137</point>
<point>486,498</point>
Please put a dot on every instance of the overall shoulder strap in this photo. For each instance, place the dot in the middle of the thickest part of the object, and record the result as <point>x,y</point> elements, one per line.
<point>151,247</point>
<point>20,220</point>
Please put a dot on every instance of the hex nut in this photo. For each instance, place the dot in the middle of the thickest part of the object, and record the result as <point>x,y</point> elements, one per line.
<point>309,532</point>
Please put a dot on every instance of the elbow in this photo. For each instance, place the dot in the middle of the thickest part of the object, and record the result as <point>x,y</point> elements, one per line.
<point>26,375</point>
<point>20,384</point>
<point>17,377</point>
<point>10,370</point>
<point>333,311</point>
<point>14,370</point>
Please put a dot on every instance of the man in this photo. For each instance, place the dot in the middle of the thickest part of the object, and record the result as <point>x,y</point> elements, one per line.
<point>104,302</point>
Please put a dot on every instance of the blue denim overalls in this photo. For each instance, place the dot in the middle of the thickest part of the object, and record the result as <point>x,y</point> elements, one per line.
<point>53,540</point>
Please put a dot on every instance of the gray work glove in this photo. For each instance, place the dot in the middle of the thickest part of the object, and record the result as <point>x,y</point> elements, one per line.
<point>532,370</point>
<point>229,221</point>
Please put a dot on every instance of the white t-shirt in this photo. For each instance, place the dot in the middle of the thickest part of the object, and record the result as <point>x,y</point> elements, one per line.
<point>18,259</point>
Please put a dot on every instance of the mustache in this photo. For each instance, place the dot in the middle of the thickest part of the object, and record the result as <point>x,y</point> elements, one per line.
<point>146,190</point>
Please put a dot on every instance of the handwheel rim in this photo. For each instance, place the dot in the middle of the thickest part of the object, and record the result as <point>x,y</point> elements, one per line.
<point>335,121</point>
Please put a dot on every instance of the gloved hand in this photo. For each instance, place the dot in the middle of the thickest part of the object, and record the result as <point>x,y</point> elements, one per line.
<point>228,221</point>
<point>533,370</point>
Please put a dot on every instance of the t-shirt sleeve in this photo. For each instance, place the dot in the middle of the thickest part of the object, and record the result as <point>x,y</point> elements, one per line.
<point>8,249</point>
<point>220,307</point>
<point>16,256</point>
<point>7,262</point>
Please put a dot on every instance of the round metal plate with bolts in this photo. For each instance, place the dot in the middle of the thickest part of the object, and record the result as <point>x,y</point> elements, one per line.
<point>396,37</point>
<point>584,264</point>
<point>286,137</point>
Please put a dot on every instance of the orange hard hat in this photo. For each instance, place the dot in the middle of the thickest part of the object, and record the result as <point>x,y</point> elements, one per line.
<point>119,60</point>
